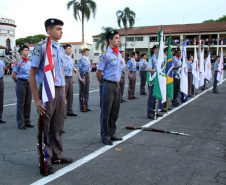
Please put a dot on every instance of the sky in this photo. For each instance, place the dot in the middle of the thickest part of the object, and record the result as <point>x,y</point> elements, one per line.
<point>30,15</point>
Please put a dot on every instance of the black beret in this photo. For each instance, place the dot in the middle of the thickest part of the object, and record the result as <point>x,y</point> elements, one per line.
<point>66,45</point>
<point>155,46</point>
<point>52,22</point>
<point>22,46</point>
<point>111,33</point>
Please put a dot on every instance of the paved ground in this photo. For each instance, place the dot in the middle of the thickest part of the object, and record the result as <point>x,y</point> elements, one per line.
<point>145,158</point>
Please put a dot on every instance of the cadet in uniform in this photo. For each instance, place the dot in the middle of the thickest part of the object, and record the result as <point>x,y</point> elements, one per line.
<point>109,73</point>
<point>152,66</point>
<point>123,77</point>
<point>204,85</point>
<point>69,80</point>
<point>143,74</point>
<point>215,74</point>
<point>20,76</point>
<point>131,69</point>
<point>54,112</point>
<point>177,64</point>
<point>190,76</point>
<point>2,72</point>
<point>83,72</point>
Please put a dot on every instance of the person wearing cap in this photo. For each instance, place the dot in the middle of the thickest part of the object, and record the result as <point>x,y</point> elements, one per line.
<point>69,79</point>
<point>123,77</point>
<point>131,70</point>
<point>2,72</point>
<point>143,74</point>
<point>177,64</point>
<point>20,76</point>
<point>152,66</point>
<point>109,74</point>
<point>54,111</point>
<point>216,63</point>
<point>83,72</point>
<point>190,76</point>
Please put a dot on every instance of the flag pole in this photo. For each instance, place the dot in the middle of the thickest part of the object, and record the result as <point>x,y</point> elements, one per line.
<point>194,61</point>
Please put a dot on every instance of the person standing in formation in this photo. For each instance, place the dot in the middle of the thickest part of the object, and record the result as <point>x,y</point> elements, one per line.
<point>83,72</point>
<point>109,72</point>
<point>131,69</point>
<point>123,77</point>
<point>54,111</point>
<point>2,72</point>
<point>69,80</point>
<point>143,73</point>
<point>190,76</point>
<point>20,76</point>
<point>215,74</point>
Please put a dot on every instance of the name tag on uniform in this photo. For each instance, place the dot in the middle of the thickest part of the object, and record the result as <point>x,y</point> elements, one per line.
<point>113,59</point>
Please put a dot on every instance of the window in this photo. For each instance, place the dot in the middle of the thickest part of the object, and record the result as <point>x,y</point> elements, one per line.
<point>153,39</point>
<point>130,39</point>
<point>75,51</point>
<point>8,44</point>
<point>139,38</point>
<point>80,50</point>
<point>95,40</point>
<point>96,54</point>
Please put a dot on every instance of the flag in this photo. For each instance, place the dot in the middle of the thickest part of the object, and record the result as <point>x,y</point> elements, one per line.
<point>184,74</point>
<point>195,70</point>
<point>169,72</point>
<point>48,88</point>
<point>220,74</point>
<point>208,70</point>
<point>148,73</point>
<point>159,90</point>
<point>201,69</point>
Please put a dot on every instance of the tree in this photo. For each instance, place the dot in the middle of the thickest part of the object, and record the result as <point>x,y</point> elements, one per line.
<point>127,17</point>
<point>30,39</point>
<point>82,9</point>
<point>221,19</point>
<point>101,43</point>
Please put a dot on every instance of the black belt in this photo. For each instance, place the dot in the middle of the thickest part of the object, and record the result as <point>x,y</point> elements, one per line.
<point>110,81</point>
<point>22,79</point>
<point>68,76</point>
<point>1,78</point>
<point>132,71</point>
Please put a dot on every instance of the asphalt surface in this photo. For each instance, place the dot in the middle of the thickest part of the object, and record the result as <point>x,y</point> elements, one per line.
<point>145,158</point>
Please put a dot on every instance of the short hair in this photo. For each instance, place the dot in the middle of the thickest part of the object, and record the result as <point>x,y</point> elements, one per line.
<point>177,50</point>
<point>22,47</point>
<point>166,49</point>
<point>84,50</point>
<point>217,57</point>
<point>66,45</point>
<point>121,51</point>
<point>133,54</point>
<point>142,55</point>
<point>205,56</point>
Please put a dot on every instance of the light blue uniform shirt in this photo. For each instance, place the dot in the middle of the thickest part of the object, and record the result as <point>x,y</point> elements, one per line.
<point>22,69</point>
<point>176,63</point>
<point>189,65</point>
<point>131,65</point>
<point>84,65</point>
<point>2,66</point>
<point>38,61</point>
<point>153,63</point>
<point>123,65</point>
<point>142,63</point>
<point>110,65</point>
<point>216,65</point>
<point>68,66</point>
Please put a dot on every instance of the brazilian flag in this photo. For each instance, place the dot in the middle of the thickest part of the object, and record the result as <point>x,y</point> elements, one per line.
<point>169,72</point>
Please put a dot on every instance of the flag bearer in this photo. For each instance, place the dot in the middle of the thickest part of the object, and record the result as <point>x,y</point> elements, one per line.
<point>143,73</point>
<point>20,76</point>
<point>109,75</point>
<point>54,112</point>
<point>215,74</point>
<point>2,72</point>
<point>190,76</point>
<point>69,79</point>
<point>123,77</point>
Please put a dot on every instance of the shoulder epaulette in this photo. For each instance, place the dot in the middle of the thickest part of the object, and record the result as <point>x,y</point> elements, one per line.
<point>105,51</point>
<point>40,42</point>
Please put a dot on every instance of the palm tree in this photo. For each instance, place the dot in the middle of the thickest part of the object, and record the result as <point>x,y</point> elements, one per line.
<point>127,17</point>
<point>82,10</point>
<point>102,41</point>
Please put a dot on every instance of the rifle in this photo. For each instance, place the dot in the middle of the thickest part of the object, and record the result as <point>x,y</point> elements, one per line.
<point>155,130</point>
<point>41,146</point>
<point>82,98</point>
<point>130,87</point>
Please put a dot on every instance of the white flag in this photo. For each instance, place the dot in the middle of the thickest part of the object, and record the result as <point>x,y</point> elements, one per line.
<point>220,74</point>
<point>195,70</point>
<point>208,70</point>
<point>201,69</point>
<point>184,74</point>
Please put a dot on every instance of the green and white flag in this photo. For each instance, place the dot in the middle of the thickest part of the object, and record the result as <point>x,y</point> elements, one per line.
<point>160,79</point>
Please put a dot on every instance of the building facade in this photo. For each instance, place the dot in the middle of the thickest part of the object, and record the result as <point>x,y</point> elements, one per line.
<point>7,35</point>
<point>141,39</point>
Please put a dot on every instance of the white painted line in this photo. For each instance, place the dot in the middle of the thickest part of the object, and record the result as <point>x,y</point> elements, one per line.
<point>102,150</point>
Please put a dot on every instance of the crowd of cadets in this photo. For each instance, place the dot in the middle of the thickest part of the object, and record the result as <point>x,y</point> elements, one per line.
<point>111,74</point>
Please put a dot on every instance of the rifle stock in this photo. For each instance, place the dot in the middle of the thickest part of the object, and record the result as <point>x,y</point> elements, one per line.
<point>41,146</point>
